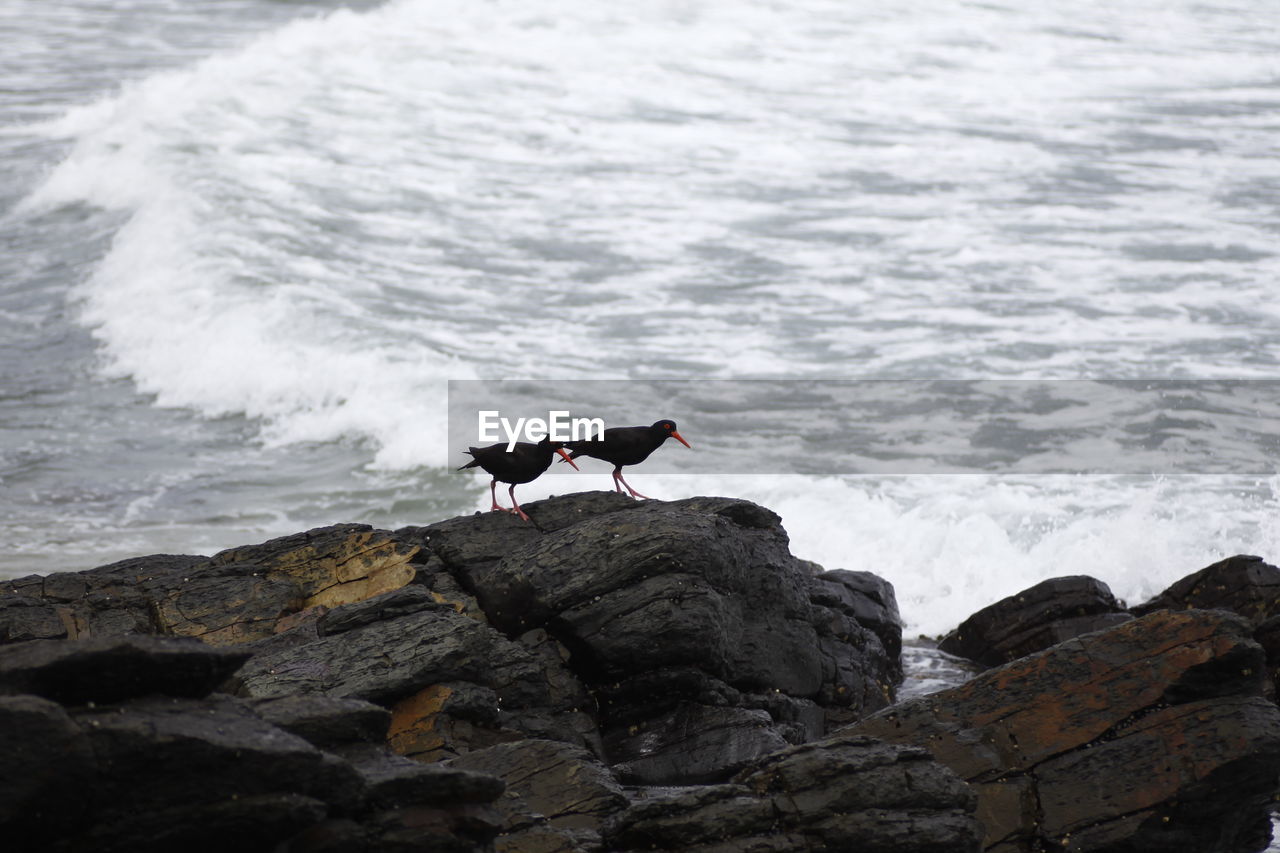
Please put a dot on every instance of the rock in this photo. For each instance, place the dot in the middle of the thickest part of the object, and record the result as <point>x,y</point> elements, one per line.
<point>258,822</point>
<point>223,604</point>
<point>1268,636</point>
<point>25,617</point>
<point>796,720</point>
<point>452,683</point>
<point>106,601</point>
<point>1152,735</point>
<point>1221,802</point>
<point>472,540</point>
<point>392,781</point>
<point>681,726</point>
<point>600,579</point>
<point>159,771</point>
<point>469,541</point>
<point>841,793</point>
<point>162,773</point>
<point>48,763</point>
<point>236,596</point>
<point>388,605</point>
<point>858,673</point>
<point>557,795</point>
<point>567,510</point>
<point>326,721</point>
<point>163,752</point>
<point>706,584</point>
<point>678,642</point>
<point>720,596</point>
<point>460,546</point>
<point>332,565</point>
<point>1242,584</point>
<point>1035,619</point>
<point>416,829</point>
<point>869,599</point>
<point>110,669</point>
<point>691,744</point>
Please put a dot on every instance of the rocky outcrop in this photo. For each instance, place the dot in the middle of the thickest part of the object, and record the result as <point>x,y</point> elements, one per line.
<point>841,793</point>
<point>866,599</point>
<point>1153,735</point>
<point>614,675</point>
<point>452,683</point>
<point>1243,584</point>
<point>557,795</point>
<point>609,641</point>
<point>155,762</point>
<point>1035,619</point>
<point>236,596</point>
<point>691,623</point>
<point>109,669</point>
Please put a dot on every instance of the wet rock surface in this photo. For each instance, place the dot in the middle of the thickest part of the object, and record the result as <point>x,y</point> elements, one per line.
<point>557,795</point>
<point>1153,735</point>
<point>379,674</point>
<point>1035,619</point>
<point>612,675</point>
<point>236,596</point>
<point>652,599</point>
<point>841,793</point>
<point>1243,584</point>
<point>153,763</point>
<point>106,669</point>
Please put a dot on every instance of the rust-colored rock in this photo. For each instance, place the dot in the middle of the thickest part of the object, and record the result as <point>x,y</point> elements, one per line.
<point>332,565</point>
<point>1246,585</point>
<point>237,596</point>
<point>419,729</point>
<point>1150,736</point>
<point>453,683</point>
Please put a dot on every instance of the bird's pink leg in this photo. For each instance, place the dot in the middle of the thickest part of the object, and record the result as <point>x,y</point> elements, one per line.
<point>518,511</point>
<point>617,478</point>
<point>493,490</point>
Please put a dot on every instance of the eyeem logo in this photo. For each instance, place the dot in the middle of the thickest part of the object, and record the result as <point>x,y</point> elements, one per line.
<point>559,426</point>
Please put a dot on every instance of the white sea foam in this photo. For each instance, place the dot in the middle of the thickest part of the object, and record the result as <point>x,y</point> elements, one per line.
<point>326,224</point>
<point>425,191</point>
<point>954,544</point>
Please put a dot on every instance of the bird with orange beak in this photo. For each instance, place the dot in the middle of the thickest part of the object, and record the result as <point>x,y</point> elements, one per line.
<point>626,446</point>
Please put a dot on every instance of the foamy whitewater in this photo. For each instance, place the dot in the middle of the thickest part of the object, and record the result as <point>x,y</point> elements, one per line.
<point>248,243</point>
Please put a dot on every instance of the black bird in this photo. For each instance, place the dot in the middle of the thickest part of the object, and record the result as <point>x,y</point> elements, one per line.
<point>522,464</point>
<point>626,446</point>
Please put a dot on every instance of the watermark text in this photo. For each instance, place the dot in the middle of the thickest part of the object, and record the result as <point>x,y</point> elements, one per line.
<point>558,426</point>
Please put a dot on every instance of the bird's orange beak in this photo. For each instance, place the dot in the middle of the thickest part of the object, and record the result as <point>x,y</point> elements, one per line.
<point>560,450</point>
<point>680,438</point>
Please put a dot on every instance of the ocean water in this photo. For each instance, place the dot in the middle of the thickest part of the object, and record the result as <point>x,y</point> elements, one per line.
<point>247,245</point>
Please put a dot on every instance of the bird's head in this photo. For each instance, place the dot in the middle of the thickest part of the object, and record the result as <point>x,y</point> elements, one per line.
<point>558,447</point>
<point>668,428</point>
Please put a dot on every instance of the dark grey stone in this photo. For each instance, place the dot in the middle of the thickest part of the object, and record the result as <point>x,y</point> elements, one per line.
<point>111,669</point>
<point>1035,619</point>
